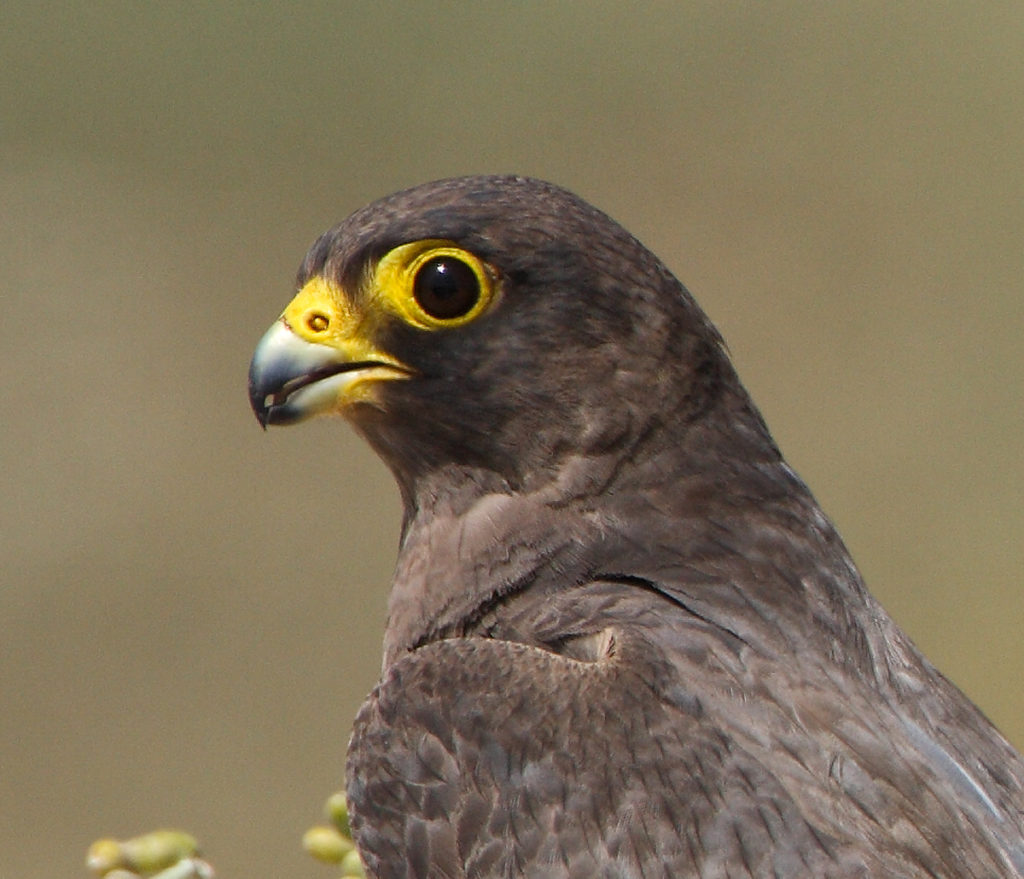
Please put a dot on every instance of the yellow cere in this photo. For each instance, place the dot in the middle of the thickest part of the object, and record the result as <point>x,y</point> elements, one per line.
<point>322,313</point>
<point>393,282</point>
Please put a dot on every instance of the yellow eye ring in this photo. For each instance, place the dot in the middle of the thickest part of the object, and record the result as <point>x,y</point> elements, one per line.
<point>434,284</point>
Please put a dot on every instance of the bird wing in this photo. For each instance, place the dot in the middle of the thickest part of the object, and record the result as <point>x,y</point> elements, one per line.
<point>658,745</point>
<point>482,757</point>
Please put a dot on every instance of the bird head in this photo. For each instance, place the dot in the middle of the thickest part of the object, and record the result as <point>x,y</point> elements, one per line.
<point>498,325</point>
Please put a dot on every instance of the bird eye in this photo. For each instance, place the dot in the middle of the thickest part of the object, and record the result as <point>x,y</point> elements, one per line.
<point>446,288</point>
<point>434,284</point>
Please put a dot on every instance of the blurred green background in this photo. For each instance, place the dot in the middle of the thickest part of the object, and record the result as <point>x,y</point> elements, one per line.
<point>191,609</point>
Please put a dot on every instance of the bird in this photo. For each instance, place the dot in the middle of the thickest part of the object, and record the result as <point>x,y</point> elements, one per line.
<point>623,639</point>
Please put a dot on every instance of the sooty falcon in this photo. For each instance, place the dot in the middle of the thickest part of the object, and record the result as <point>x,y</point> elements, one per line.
<point>623,639</point>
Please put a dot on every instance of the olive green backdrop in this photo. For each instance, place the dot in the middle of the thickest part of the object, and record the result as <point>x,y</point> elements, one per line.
<point>191,609</point>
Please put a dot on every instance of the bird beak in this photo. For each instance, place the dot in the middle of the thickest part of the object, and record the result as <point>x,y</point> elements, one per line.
<point>316,359</point>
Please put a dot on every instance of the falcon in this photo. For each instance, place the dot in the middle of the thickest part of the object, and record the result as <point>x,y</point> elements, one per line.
<point>623,639</point>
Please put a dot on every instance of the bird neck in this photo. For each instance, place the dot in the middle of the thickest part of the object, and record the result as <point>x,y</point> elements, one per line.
<point>699,514</point>
<point>467,540</point>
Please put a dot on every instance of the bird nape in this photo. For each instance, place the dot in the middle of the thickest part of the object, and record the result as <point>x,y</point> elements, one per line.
<point>623,639</point>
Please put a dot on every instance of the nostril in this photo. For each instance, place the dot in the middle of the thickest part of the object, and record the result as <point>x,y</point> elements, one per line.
<point>317,322</point>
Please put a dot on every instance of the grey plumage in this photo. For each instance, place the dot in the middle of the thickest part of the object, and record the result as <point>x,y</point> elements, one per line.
<point>623,638</point>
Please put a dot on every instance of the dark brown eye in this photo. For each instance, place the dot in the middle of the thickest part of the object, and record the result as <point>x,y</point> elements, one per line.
<point>446,288</point>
